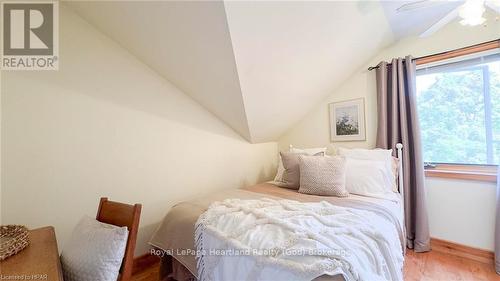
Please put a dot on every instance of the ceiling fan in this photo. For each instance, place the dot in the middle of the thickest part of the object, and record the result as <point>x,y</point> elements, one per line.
<point>470,11</point>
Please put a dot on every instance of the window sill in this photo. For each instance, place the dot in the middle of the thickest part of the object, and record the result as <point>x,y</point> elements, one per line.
<point>464,172</point>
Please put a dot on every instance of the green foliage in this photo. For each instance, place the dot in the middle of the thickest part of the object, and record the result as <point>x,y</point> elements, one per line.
<point>346,128</point>
<point>452,117</point>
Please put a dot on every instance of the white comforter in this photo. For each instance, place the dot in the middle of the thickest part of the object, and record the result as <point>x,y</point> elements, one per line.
<point>270,239</point>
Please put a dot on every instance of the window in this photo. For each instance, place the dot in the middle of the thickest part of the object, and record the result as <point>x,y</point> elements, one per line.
<point>459,110</point>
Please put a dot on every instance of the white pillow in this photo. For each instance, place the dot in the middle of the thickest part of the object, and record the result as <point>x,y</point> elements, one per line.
<point>281,170</point>
<point>383,155</point>
<point>94,252</point>
<point>368,178</point>
<point>308,151</point>
<point>366,154</point>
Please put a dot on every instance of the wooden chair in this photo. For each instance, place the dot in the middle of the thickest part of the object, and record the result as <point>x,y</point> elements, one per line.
<point>120,214</point>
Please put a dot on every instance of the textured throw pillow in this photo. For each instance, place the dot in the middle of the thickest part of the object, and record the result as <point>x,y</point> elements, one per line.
<point>323,176</point>
<point>94,252</point>
<point>318,151</point>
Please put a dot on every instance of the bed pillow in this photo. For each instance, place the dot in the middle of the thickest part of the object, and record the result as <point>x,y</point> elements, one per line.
<point>383,155</point>
<point>395,172</point>
<point>291,175</point>
<point>280,171</point>
<point>366,154</point>
<point>323,176</point>
<point>94,251</point>
<point>319,151</point>
<point>368,178</point>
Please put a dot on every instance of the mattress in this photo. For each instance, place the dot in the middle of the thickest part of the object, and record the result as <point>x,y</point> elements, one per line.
<point>175,234</point>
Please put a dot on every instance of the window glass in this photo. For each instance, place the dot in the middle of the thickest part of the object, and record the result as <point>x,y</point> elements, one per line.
<point>459,111</point>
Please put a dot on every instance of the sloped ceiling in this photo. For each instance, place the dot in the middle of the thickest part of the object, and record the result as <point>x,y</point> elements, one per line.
<point>291,55</point>
<point>259,66</point>
<point>415,22</point>
<point>186,42</point>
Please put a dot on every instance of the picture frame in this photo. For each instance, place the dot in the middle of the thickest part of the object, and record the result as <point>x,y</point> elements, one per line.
<point>347,120</point>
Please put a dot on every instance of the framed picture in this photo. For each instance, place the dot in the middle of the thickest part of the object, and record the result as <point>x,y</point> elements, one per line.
<point>347,120</point>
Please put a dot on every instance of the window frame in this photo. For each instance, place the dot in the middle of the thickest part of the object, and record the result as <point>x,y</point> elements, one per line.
<point>461,171</point>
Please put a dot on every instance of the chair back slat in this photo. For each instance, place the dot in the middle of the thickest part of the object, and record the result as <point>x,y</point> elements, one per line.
<point>121,214</point>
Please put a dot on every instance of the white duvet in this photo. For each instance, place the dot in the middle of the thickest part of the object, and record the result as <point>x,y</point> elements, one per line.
<point>270,239</point>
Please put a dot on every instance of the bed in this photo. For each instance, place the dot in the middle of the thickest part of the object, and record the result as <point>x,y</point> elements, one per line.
<point>175,237</point>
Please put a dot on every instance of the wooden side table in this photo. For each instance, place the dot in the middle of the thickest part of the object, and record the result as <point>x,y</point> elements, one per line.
<point>39,261</point>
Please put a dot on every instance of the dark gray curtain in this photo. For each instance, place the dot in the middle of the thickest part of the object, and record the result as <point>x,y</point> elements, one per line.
<point>497,228</point>
<point>398,123</point>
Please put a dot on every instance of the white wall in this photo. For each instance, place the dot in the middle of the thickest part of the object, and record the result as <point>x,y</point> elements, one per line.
<point>187,42</point>
<point>459,211</point>
<point>462,211</point>
<point>107,125</point>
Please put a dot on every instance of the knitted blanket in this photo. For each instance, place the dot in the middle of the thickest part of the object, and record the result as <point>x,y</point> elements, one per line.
<point>269,239</point>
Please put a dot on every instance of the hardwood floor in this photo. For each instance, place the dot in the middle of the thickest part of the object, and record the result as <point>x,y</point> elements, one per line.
<point>441,266</point>
<point>149,274</point>
<point>436,266</point>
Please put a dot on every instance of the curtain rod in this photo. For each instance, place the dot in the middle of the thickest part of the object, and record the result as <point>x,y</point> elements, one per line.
<point>446,52</point>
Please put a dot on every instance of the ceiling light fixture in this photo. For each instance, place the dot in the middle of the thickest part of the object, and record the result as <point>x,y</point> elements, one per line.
<point>471,12</point>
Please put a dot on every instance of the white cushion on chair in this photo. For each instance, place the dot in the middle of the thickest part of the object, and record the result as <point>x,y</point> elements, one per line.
<point>94,252</point>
